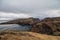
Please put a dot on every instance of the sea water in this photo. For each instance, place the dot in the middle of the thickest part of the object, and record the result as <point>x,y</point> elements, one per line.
<point>14,27</point>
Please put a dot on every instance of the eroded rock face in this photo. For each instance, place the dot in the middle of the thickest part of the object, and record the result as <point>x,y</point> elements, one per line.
<point>49,26</point>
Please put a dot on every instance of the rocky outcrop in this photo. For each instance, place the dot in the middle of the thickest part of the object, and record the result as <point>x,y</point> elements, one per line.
<point>47,28</point>
<point>50,26</point>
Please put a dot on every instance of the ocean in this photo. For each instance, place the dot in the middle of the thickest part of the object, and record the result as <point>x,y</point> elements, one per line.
<point>14,27</point>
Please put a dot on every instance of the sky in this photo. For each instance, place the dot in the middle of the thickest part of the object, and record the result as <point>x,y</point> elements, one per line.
<point>12,9</point>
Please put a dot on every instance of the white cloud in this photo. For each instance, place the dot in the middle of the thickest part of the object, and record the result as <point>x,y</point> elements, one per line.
<point>8,16</point>
<point>42,14</point>
<point>3,19</point>
<point>53,13</point>
<point>47,13</point>
<point>27,8</point>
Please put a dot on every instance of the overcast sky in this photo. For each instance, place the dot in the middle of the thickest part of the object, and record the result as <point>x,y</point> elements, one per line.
<point>10,9</point>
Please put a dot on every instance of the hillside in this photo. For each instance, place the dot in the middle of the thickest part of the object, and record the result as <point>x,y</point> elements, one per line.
<point>18,35</point>
<point>50,26</point>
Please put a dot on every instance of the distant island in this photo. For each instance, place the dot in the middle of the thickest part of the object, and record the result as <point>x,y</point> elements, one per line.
<point>50,26</point>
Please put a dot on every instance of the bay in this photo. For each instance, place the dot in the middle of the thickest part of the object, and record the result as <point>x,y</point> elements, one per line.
<point>14,27</point>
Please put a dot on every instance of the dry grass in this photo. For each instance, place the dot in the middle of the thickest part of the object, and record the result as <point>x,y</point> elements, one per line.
<point>17,35</point>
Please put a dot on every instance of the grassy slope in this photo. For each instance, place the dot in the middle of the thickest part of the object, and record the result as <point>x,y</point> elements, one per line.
<point>17,35</point>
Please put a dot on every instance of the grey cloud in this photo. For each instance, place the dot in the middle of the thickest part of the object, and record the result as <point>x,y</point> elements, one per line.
<point>28,6</point>
<point>35,8</point>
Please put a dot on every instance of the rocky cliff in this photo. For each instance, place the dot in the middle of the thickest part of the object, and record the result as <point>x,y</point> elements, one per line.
<point>50,26</point>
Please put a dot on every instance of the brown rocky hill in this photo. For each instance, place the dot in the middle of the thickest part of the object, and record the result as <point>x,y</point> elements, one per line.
<point>51,19</point>
<point>18,35</point>
<point>50,26</point>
